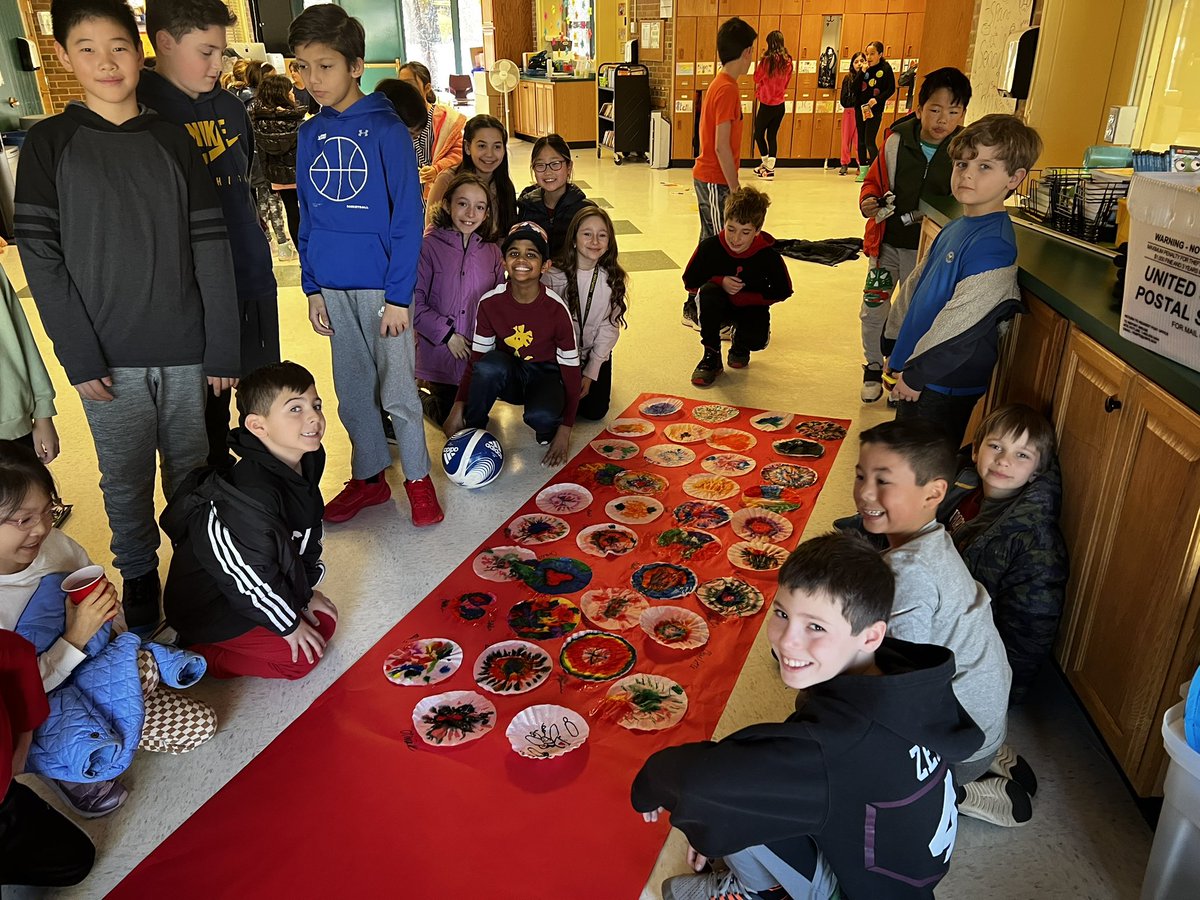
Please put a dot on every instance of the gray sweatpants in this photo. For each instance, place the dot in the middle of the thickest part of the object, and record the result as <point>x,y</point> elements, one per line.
<point>759,869</point>
<point>372,372</point>
<point>153,410</point>
<point>877,303</point>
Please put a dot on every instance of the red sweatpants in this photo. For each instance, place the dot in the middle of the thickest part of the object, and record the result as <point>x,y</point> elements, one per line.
<point>260,652</point>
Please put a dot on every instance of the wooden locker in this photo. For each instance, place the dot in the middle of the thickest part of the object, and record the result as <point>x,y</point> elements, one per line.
<point>790,26</point>
<point>747,81</point>
<point>771,8</point>
<point>822,128</point>
<point>695,8</point>
<point>682,127</point>
<point>785,135</point>
<point>766,24</point>
<point>852,36</point>
<point>791,8</point>
<point>912,35</point>
<point>810,37</point>
<point>802,135</point>
<point>742,8</point>
<point>873,24</point>
<point>685,39</point>
<point>866,6</point>
<point>706,48</point>
<point>893,36</point>
<point>748,107</point>
<point>835,136</point>
<point>906,6</point>
<point>825,7</point>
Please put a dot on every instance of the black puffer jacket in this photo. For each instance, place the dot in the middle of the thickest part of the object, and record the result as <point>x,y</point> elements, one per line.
<point>275,139</point>
<point>532,208</point>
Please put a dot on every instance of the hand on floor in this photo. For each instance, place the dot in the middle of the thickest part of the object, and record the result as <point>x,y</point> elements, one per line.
<point>556,453</point>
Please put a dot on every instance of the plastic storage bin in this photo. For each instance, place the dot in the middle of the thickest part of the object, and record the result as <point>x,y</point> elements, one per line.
<point>1173,872</point>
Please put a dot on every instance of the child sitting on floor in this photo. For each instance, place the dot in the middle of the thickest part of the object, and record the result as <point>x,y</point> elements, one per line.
<point>866,757</point>
<point>109,694</point>
<point>736,275</point>
<point>590,251</point>
<point>241,590</point>
<point>1002,512</point>
<point>524,350</point>
<point>904,469</point>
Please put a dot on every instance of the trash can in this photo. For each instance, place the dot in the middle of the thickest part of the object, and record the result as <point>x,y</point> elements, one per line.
<point>1173,872</point>
<point>660,140</point>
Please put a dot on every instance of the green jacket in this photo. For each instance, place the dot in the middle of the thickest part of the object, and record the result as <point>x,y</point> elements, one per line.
<point>914,179</point>
<point>25,389</point>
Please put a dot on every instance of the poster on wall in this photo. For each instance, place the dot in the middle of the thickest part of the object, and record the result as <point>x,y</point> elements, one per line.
<point>827,64</point>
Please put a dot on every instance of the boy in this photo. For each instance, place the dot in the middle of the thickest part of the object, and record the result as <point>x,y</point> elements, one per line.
<point>126,252</point>
<point>538,364</point>
<point>914,166</point>
<point>188,37</point>
<point>866,758</point>
<point>361,222</point>
<point>242,586</point>
<point>904,468</point>
<point>945,338</point>
<point>736,276</point>
<point>1002,513</point>
<point>715,173</point>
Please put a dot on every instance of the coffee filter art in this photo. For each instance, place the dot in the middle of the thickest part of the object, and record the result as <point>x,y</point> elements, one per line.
<point>663,581</point>
<point>537,528</point>
<point>640,483</point>
<point>661,406</point>
<point>546,731</point>
<point>735,465</point>
<point>423,661</point>
<point>715,413</point>
<point>543,618</point>
<point>702,514</point>
<point>630,428</point>
<point>456,717</point>
<point>615,608</point>
<point>733,439</point>
<point>512,667</point>
<point>761,525</point>
<point>819,430</point>
<point>607,540</point>
<point>670,456</point>
<point>757,556</point>
<point>634,509</point>
<point>615,448</point>
<point>563,499</point>
<point>496,564</point>
<point>596,656</point>
<point>771,421</point>
<point>644,702</point>
<point>730,597</point>
<point>791,475</point>
<point>675,627</point>
<point>686,433</point>
<point>801,447</point>
<point>709,487</point>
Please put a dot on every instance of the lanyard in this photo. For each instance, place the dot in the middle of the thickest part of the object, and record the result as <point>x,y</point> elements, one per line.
<point>591,290</point>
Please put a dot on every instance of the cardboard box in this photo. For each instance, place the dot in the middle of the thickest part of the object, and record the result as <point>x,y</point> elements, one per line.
<point>1161,307</point>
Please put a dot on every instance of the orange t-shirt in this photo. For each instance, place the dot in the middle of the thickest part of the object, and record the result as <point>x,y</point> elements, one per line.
<point>722,103</point>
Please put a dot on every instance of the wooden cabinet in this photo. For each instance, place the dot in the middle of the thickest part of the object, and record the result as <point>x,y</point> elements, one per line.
<point>505,30</point>
<point>525,114</point>
<point>544,103</point>
<point>1031,357</point>
<point>566,107</point>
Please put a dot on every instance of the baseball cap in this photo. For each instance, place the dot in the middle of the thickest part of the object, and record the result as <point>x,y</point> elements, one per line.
<point>527,231</point>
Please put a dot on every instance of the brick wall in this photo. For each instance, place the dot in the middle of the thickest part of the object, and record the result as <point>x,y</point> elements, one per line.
<point>662,72</point>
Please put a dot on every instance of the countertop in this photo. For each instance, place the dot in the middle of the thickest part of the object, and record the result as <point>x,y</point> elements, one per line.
<point>1077,284</point>
<point>556,79</point>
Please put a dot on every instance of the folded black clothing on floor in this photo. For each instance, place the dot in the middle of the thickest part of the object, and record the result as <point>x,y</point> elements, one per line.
<point>829,252</point>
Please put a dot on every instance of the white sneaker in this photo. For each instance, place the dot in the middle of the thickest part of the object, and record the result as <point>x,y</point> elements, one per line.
<point>872,388</point>
<point>1000,801</point>
<point>285,251</point>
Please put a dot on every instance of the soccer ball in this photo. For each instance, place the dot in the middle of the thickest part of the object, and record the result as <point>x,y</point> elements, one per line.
<point>473,458</point>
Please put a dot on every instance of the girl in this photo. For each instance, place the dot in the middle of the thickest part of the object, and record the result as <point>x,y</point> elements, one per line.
<point>276,120</point>
<point>849,101</point>
<point>459,264</point>
<point>26,394</point>
<point>771,77</point>
<point>876,86</point>
<point>553,201</point>
<point>485,143</point>
<point>439,141</point>
<point>591,251</point>
<point>98,684</point>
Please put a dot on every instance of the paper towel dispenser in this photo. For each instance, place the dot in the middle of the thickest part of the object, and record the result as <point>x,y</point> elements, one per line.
<point>1016,70</point>
<point>27,53</point>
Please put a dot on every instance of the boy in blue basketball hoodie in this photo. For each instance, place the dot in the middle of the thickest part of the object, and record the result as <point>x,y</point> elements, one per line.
<point>361,222</point>
<point>188,39</point>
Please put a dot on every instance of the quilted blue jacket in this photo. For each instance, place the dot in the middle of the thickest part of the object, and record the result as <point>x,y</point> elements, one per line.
<point>96,715</point>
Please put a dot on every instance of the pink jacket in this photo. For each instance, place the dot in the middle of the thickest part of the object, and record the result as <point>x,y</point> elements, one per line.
<point>771,89</point>
<point>450,280</point>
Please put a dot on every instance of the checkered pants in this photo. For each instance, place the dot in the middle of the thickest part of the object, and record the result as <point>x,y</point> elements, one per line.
<point>174,723</point>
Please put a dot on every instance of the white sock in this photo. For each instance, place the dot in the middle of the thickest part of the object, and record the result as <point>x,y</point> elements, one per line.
<point>769,162</point>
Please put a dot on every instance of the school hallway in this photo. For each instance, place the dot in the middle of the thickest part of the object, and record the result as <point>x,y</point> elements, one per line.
<point>1087,838</point>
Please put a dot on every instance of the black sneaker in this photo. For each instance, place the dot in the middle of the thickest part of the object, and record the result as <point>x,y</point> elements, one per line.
<point>140,598</point>
<point>738,359</point>
<point>691,315</point>
<point>708,368</point>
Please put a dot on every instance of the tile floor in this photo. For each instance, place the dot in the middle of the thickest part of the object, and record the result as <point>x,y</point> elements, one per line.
<point>1087,838</point>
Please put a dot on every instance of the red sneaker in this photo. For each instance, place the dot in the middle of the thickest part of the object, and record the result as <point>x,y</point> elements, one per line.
<point>424,502</point>
<point>356,496</point>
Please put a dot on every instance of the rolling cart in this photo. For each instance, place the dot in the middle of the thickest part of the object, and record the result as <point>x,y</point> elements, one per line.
<point>623,107</point>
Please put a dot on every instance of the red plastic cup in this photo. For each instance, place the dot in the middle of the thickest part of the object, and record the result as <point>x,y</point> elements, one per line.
<point>82,582</point>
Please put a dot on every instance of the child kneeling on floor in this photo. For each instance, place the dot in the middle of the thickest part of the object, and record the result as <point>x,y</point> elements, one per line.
<point>524,350</point>
<point>867,755</point>
<point>241,590</point>
<point>736,275</point>
<point>109,694</point>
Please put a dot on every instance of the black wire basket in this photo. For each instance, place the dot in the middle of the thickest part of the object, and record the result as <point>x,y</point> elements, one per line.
<point>1074,201</point>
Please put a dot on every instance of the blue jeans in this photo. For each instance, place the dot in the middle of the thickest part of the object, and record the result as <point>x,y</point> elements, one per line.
<point>538,386</point>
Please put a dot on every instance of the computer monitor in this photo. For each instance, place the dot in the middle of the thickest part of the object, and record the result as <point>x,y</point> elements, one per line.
<point>250,51</point>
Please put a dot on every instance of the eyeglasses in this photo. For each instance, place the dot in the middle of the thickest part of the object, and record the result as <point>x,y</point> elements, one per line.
<point>28,523</point>
<point>553,166</point>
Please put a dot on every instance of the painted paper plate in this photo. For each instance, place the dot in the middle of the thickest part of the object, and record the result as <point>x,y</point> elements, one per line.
<point>616,608</point>
<point>563,499</point>
<point>661,406</point>
<point>761,525</point>
<point>512,667</point>
<point>709,487</point>
<point>557,575</point>
<point>634,509</point>
<point>603,474</point>
<point>630,428</point>
<point>543,618</point>
<point>715,413</point>
<point>730,597</point>
<point>615,448</point>
<point>675,627</point>
<point>663,581</point>
<point>596,656</point>
<point>771,421</point>
<point>607,540</point>
<point>731,439</point>
<point>702,514</point>
<point>645,702</point>
<point>537,528</point>
<point>789,475</point>
<point>641,483</point>
<point>689,544</point>
<point>774,497</point>
<point>732,464</point>
<point>686,433</point>
<point>757,556</point>
<point>670,455</point>
<point>496,564</point>
<point>818,430</point>
<point>546,731</point>
<point>798,447</point>
<point>423,661</point>
<point>456,717</point>
<point>471,607</point>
